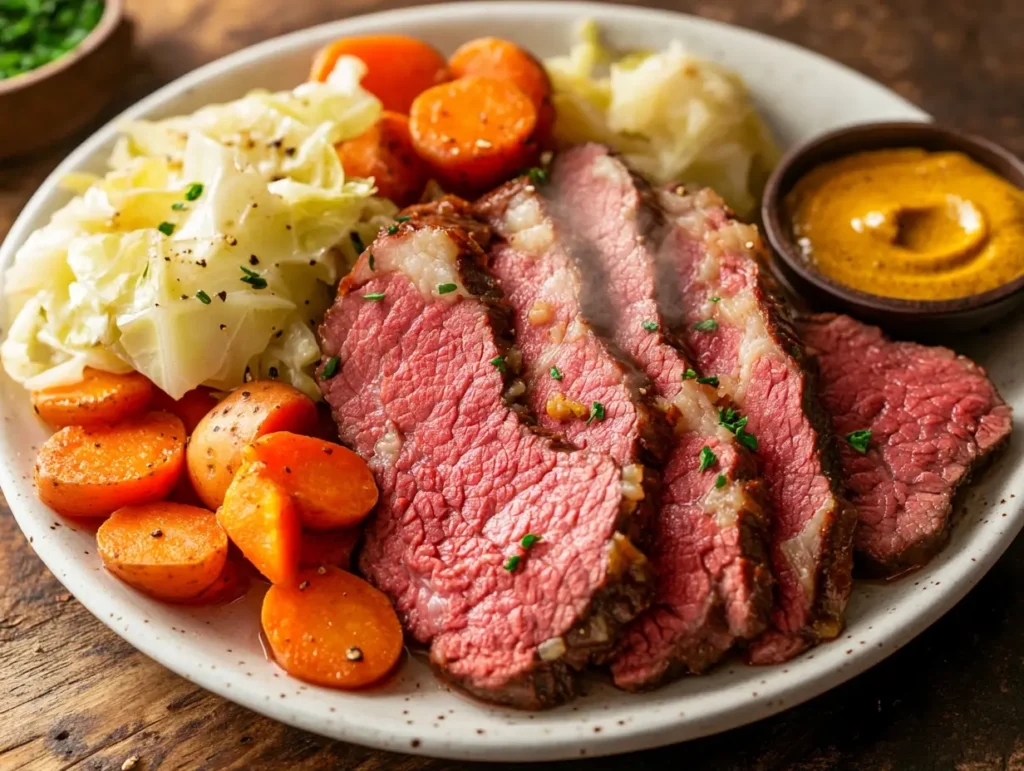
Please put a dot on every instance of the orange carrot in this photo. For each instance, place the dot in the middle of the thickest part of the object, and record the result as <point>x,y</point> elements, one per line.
<point>191,408</point>
<point>492,57</point>
<point>261,520</point>
<point>166,550</point>
<point>100,398</point>
<point>398,67</point>
<point>90,472</point>
<point>474,132</point>
<point>332,548</point>
<point>232,583</point>
<point>251,410</point>
<point>331,628</point>
<point>386,153</point>
<point>332,486</point>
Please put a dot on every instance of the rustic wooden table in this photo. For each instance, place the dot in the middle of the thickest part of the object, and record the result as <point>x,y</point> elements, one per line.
<point>73,695</point>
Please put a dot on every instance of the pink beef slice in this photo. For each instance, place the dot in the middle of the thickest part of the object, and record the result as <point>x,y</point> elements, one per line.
<point>421,392</point>
<point>934,418</point>
<point>562,357</point>
<point>713,273</point>
<point>714,584</point>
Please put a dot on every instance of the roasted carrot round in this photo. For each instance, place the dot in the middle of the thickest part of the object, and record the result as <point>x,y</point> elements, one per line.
<point>191,408</point>
<point>331,548</point>
<point>166,550</point>
<point>386,153</point>
<point>492,57</point>
<point>261,520</point>
<point>90,472</point>
<point>474,132</point>
<point>232,583</point>
<point>330,628</point>
<point>332,486</point>
<point>251,410</point>
<point>100,398</point>
<point>398,67</point>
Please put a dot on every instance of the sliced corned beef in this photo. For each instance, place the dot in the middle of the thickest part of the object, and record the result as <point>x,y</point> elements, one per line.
<point>714,587</point>
<point>934,418</point>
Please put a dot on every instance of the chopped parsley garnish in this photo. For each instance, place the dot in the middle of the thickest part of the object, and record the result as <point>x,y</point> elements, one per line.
<point>720,481</point>
<point>555,373</point>
<point>747,440</point>
<point>499,364</point>
<point>538,176</point>
<point>374,296</point>
<point>650,326</point>
<point>194,191</point>
<point>859,440</point>
<point>446,288</point>
<point>330,368</point>
<point>177,206</point>
<point>166,228</point>
<point>596,412</point>
<point>403,218</point>
<point>357,242</point>
<point>689,374</point>
<point>203,297</point>
<point>711,381</point>
<point>731,419</point>
<point>529,540</point>
<point>512,563</point>
<point>372,267</point>
<point>715,299</point>
<point>392,229</point>
<point>708,325</point>
<point>707,458</point>
<point>252,278</point>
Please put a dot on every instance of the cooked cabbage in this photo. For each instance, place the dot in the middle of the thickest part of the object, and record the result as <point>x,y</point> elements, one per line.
<point>145,270</point>
<point>675,117</point>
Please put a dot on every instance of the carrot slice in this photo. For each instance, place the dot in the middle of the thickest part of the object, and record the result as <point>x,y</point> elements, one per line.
<point>386,153</point>
<point>261,520</point>
<point>251,410</point>
<point>90,472</point>
<point>232,583</point>
<point>191,408</point>
<point>398,67</point>
<point>331,628</point>
<point>331,548</point>
<point>166,550</point>
<point>492,57</point>
<point>332,486</point>
<point>100,398</point>
<point>474,132</point>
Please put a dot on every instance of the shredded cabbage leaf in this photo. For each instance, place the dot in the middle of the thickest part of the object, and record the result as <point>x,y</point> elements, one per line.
<point>674,117</point>
<point>207,254</point>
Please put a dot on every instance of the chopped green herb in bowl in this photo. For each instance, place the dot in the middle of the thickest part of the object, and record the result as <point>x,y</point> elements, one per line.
<point>36,32</point>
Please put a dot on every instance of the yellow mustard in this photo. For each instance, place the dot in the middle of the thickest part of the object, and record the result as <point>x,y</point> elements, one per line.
<point>910,224</point>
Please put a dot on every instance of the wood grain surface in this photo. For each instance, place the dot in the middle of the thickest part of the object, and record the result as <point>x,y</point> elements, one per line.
<point>73,695</point>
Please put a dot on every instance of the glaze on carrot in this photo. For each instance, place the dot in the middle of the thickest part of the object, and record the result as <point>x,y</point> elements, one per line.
<point>386,153</point>
<point>90,472</point>
<point>100,398</point>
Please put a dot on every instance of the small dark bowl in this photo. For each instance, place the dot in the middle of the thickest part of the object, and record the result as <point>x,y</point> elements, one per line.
<point>821,292</point>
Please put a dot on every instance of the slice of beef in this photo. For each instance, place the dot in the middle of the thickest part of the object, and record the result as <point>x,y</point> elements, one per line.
<point>934,418</point>
<point>421,392</point>
<point>714,586</point>
<point>567,367</point>
<point>711,270</point>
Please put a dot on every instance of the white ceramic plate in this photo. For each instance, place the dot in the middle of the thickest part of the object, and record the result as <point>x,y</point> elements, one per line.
<point>802,94</point>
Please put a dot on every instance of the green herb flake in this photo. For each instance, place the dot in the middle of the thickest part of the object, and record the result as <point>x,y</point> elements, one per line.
<point>720,482</point>
<point>392,230</point>
<point>708,325</point>
<point>529,540</point>
<point>707,458</point>
<point>252,278</point>
<point>374,296</point>
<point>711,381</point>
<point>177,206</point>
<point>446,288</point>
<point>330,368</point>
<point>537,176</point>
<point>596,412</point>
<point>371,262</point>
<point>357,242</point>
<point>499,364</point>
<point>166,228</point>
<point>715,299</point>
<point>689,374</point>
<point>858,440</point>
<point>403,218</point>
<point>747,440</point>
<point>203,297</point>
<point>194,191</point>
<point>731,420</point>
<point>650,326</point>
<point>512,563</point>
<point>555,373</point>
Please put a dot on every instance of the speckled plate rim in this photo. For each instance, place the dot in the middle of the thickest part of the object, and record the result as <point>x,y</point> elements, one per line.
<point>413,713</point>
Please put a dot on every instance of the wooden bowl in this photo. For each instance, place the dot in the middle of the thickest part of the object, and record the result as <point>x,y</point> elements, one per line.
<point>48,103</point>
<point>821,292</point>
